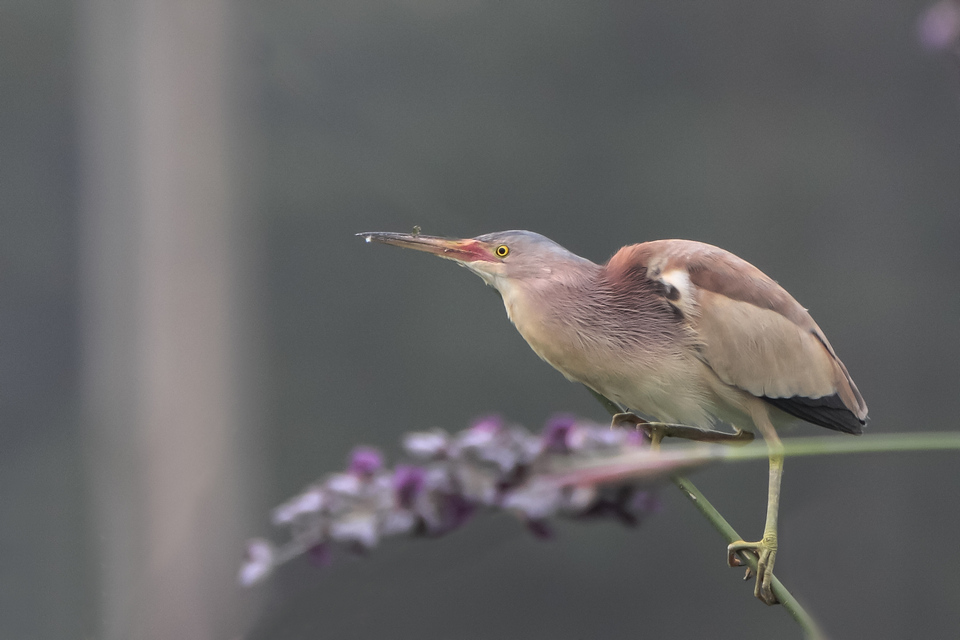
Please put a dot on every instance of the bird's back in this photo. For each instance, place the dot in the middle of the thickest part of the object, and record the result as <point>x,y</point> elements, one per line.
<point>748,330</point>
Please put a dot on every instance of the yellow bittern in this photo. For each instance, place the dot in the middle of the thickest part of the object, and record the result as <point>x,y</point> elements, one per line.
<point>681,331</point>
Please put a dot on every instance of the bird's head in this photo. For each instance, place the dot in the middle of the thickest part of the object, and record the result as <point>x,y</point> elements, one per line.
<point>501,259</point>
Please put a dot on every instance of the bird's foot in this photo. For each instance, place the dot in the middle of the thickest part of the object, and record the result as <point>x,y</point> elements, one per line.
<point>654,430</point>
<point>738,437</point>
<point>702,435</point>
<point>657,431</point>
<point>766,552</point>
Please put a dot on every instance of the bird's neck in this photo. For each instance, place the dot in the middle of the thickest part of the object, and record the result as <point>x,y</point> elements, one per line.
<point>535,301</point>
<point>586,313</point>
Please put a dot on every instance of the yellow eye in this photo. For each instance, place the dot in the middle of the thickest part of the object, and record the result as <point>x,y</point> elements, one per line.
<point>502,251</point>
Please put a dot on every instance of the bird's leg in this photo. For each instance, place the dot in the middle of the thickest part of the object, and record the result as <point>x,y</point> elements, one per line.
<point>765,549</point>
<point>656,433</point>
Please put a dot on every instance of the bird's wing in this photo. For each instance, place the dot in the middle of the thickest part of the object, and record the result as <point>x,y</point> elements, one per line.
<point>753,334</point>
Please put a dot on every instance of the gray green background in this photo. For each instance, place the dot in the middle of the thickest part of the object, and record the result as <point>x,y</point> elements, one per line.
<point>815,139</point>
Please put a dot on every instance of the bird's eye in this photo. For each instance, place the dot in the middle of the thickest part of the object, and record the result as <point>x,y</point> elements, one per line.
<point>502,251</point>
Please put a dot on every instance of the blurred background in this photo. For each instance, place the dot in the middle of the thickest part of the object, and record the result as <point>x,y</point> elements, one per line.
<point>190,333</point>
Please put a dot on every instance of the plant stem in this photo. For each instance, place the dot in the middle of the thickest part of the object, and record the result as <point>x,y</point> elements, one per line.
<point>638,464</point>
<point>720,523</point>
<point>881,443</point>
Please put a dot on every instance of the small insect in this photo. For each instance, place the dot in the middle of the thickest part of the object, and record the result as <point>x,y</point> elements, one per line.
<point>416,230</point>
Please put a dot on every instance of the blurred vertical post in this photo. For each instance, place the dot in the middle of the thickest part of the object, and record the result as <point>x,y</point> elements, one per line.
<point>166,403</point>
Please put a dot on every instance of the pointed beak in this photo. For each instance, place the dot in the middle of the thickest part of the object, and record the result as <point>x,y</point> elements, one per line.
<point>465,250</point>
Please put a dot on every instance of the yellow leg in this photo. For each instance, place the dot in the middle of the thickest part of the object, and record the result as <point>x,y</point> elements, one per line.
<point>656,432</point>
<point>765,549</point>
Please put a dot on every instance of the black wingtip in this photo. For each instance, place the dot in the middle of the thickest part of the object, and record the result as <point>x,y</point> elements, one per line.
<point>828,411</point>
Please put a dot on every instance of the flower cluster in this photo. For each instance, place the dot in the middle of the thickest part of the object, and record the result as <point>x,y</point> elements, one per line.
<point>449,478</point>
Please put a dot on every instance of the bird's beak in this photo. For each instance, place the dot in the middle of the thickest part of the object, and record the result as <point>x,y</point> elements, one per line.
<point>465,250</point>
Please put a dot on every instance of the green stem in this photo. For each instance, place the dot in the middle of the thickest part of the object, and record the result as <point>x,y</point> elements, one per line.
<point>819,446</point>
<point>695,455</point>
<point>721,525</point>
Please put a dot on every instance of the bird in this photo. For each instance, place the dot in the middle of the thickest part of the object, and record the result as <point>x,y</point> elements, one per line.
<point>679,330</point>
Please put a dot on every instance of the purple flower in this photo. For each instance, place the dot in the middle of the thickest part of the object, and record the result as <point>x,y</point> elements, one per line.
<point>258,562</point>
<point>310,501</point>
<point>397,521</point>
<point>556,435</point>
<point>408,483</point>
<point>478,483</point>
<point>365,461</point>
<point>450,512</point>
<point>483,432</point>
<point>572,469</point>
<point>492,423</point>
<point>360,528</point>
<point>625,503</point>
<point>426,444</point>
<point>346,484</point>
<point>477,437</point>
<point>535,500</point>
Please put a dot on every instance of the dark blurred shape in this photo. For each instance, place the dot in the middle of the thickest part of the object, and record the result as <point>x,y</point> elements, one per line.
<point>939,26</point>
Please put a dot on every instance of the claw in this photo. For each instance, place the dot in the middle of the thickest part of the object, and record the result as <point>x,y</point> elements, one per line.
<point>766,552</point>
<point>654,430</point>
<point>733,560</point>
<point>620,420</point>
